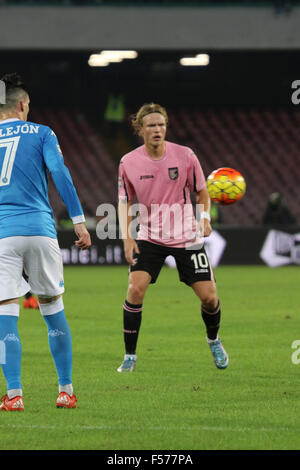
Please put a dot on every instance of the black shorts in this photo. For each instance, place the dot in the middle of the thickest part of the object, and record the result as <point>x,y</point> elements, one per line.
<point>192,265</point>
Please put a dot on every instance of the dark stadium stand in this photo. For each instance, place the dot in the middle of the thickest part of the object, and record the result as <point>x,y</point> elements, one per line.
<point>263,145</point>
<point>93,171</point>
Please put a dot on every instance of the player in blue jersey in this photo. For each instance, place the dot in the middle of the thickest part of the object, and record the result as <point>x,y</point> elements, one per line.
<point>28,240</point>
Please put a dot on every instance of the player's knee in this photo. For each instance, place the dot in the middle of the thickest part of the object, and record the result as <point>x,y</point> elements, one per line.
<point>136,292</point>
<point>9,301</point>
<point>208,297</point>
<point>210,302</point>
<point>44,299</point>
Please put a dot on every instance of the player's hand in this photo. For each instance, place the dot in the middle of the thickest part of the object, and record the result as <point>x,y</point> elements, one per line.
<point>130,249</point>
<point>204,228</point>
<point>84,238</point>
<point>207,228</point>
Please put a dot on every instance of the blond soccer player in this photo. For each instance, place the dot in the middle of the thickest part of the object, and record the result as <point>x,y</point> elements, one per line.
<point>161,175</point>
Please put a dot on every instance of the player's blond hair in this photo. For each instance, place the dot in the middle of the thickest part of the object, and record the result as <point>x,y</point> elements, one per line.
<point>148,108</point>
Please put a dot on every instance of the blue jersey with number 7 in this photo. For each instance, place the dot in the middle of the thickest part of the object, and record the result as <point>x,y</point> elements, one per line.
<point>28,152</point>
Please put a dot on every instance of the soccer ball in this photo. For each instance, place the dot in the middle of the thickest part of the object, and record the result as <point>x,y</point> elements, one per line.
<point>226,186</point>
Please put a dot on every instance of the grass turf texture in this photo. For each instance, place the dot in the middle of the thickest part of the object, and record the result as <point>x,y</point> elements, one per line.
<point>176,399</point>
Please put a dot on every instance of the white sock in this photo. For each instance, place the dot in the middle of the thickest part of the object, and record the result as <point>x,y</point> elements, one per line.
<point>53,307</point>
<point>212,340</point>
<point>66,388</point>
<point>14,392</point>
<point>130,355</point>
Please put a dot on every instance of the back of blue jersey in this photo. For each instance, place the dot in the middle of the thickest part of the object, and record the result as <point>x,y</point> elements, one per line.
<point>27,151</point>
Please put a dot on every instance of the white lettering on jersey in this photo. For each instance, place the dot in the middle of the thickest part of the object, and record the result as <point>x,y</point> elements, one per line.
<point>24,129</point>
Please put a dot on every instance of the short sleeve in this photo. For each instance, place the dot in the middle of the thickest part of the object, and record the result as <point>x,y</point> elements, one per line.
<point>125,188</point>
<point>196,178</point>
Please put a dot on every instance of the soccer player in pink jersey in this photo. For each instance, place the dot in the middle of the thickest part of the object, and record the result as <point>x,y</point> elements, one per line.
<point>161,175</point>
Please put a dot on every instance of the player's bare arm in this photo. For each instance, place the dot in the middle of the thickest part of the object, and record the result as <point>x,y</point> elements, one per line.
<point>130,245</point>
<point>84,238</point>
<point>203,202</point>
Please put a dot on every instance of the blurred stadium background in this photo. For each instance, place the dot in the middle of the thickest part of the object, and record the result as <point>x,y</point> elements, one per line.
<point>235,111</point>
<point>239,110</point>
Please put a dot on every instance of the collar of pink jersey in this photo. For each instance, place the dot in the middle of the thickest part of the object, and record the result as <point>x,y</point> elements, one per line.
<point>156,159</point>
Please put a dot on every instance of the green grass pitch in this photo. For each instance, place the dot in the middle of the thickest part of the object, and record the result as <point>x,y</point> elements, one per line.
<point>176,399</point>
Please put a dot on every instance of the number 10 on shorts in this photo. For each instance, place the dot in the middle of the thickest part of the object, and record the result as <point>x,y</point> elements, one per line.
<point>2,353</point>
<point>200,260</point>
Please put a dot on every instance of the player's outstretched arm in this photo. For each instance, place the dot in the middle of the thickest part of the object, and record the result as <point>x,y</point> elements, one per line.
<point>84,238</point>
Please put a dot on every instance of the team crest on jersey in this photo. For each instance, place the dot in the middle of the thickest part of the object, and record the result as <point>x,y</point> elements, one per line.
<point>173,173</point>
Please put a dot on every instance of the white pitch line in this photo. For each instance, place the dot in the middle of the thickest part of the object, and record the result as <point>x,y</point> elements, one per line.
<point>79,428</point>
